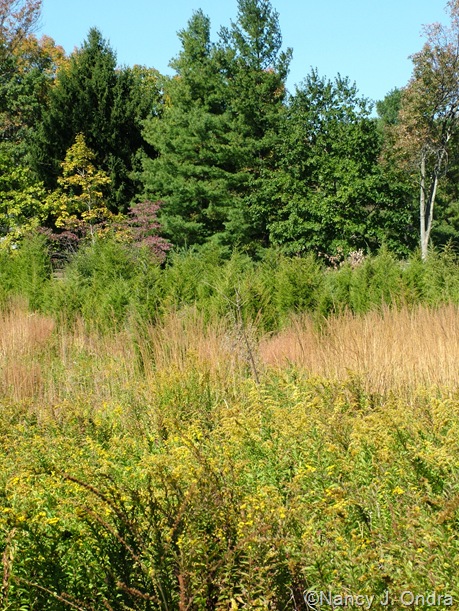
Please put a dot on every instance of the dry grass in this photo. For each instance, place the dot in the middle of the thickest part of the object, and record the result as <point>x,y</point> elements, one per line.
<point>22,333</point>
<point>49,365</point>
<point>23,337</point>
<point>389,350</point>
<point>184,336</point>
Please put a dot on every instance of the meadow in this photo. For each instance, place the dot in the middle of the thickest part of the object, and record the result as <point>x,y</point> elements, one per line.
<point>261,436</point>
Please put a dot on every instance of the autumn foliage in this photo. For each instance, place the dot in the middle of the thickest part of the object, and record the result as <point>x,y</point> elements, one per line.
<point>18,18</point>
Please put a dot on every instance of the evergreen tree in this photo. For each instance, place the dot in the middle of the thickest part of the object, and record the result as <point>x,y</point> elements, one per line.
<point>194,172</point>
<point>257,72</point>
<point>105,104</point>
<point>219,129</point>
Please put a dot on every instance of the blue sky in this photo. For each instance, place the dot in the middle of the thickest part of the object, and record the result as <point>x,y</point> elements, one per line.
<point>367,40</point>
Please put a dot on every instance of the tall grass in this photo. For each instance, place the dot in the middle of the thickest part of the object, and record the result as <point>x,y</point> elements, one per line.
<point>49,363</point>
<point>222,434</point>
<point>23,338</point>
<point>388,349</point>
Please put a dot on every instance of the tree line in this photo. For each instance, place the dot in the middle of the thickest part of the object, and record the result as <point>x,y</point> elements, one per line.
<point>223,151</point>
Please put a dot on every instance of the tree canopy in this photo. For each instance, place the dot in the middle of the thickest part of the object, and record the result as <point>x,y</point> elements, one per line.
<point>224,153</point>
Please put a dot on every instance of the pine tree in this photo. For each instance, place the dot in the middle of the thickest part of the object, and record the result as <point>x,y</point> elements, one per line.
<point>257,71</point>
<point>219,129</point>
<point>194,170</point>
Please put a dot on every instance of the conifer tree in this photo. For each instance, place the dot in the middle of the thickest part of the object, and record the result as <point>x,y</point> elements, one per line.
<point>257,72</point>
<point>105,104</point>
<point>219,128</point>
<point>194,170</point>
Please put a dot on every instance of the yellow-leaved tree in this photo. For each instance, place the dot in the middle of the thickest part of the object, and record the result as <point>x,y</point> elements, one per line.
<point>79,200</point>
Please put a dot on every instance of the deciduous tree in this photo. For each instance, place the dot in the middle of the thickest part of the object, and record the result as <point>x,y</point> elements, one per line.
<point>80,197</point>
<point>328,192</point>
<point>24,87</point>
<point>22,199</point>
<point>429,119</point>
<point>18,18</point>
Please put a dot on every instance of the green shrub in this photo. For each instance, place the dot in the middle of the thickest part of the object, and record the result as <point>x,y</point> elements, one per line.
<point>108,283</point>
<point>105,283</point>
<point>29,270</point>
<point>441,278</point>
<point>298,285</point>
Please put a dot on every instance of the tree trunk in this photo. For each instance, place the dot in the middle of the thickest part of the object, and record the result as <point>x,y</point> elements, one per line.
<point>427,202</point>
<point>422,209</point>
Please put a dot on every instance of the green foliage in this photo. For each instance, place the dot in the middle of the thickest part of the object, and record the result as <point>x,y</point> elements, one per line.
<point>106,283</point>
<point>138,471</point>
<point>234,161</point>
<point>445,227</point>
<point>27,270</point>
<point>80,197</point>
<point>388,109</point>
<point>194,170</point>
<point>376,282</point>
<point>5,277</point>
<point>105,104</point>
<point>27,71</point>
<point>218,129</point>
<point>109,282</point>
<point>21,200</point>
<point>329,193</point>
<point>209,497</point>
<point>297,284</point>
<point>257,69</point>
<point>440,282</point>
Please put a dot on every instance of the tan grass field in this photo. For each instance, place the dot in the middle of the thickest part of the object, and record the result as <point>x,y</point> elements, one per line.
<point>388,350</point>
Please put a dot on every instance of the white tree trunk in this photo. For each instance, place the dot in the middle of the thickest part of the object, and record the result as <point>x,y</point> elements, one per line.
<point>422,209</point>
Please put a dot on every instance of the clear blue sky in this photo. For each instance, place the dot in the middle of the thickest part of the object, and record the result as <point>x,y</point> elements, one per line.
<point>367,40</point>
